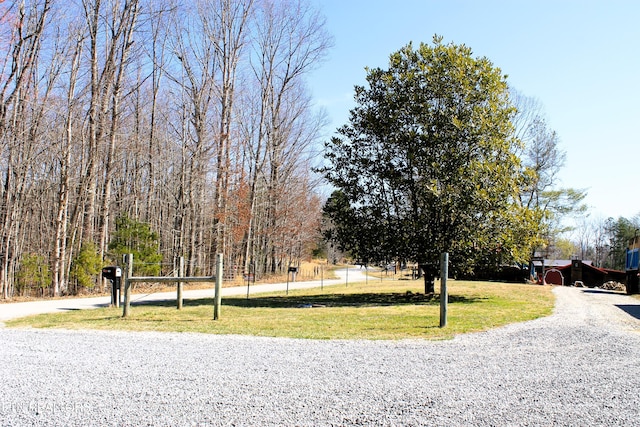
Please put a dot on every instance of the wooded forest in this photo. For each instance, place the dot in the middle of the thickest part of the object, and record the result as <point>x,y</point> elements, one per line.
<point>191,118</point>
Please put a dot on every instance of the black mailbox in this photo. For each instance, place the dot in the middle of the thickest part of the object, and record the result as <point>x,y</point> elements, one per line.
<point>111,273</point>
<point>293,269</point>
<point>114,274</point>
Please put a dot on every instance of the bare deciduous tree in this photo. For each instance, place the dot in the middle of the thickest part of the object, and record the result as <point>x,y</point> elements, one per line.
<point>290,41</point>
<point>26,26</point>
<point>192,117</point>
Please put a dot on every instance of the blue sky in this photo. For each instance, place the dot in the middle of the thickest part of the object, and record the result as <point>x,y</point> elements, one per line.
<point>579,59</point>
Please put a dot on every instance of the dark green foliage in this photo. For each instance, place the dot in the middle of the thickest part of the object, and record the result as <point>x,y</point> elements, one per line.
<point>427,163</point>
<point>352,230</point>
<point>86,266</point>
<point>33,274</point>
<point>134,237</point>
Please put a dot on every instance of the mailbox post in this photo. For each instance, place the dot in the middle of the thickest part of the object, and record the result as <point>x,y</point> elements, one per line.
<point>114,274</point>
<point>294,272</point>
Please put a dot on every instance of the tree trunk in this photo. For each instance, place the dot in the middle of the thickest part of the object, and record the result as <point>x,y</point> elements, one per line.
<point>429,278</point>
<point>126,22</point>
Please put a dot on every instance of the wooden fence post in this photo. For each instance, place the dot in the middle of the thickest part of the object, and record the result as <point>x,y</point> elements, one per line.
<point>218,296</point>
<point>444,297</point>
<point>180,273</point>
<point>127,285</point>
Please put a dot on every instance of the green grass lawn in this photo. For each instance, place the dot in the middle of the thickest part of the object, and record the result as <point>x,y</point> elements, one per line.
<point>378,310</point>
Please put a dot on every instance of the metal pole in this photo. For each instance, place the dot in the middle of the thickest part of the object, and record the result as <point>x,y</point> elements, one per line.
<point>287,292</point>
<point>127,285</point>
<point>180,273</point>
<point>118,285</point>
<point>248,279</point>
<point>114,293</point>
<point>248,283</point>
<point>218,296</point>
<point>346,281</point>
<point>444,297</point>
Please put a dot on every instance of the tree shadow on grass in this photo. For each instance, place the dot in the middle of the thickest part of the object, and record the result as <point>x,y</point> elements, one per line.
<point>325,300</point>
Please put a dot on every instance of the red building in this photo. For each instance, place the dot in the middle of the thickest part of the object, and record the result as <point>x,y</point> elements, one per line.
<point>568,272</point>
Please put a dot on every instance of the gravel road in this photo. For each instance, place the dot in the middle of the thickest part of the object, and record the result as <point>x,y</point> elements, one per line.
<point>580,366</point>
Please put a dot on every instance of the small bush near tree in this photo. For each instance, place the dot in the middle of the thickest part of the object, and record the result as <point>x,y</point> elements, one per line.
<point>33,274</point>
<point>86,266</point>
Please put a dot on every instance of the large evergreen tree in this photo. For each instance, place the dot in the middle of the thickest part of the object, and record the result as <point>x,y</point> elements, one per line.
<point>427,163</point>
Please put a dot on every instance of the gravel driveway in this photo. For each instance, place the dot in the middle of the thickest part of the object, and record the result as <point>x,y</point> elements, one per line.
<point>580,366</point>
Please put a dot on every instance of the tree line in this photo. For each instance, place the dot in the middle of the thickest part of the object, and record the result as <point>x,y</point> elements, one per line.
<point>189,118</point>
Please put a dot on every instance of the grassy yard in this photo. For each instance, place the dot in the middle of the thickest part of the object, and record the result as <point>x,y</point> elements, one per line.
<point>378,310</point>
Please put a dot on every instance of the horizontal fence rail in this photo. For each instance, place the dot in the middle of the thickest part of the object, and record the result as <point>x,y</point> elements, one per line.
<point>172,279</point>
<point>217,279</point>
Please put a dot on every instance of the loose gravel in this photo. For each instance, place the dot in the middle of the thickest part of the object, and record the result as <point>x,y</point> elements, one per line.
<point>580,366</point>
